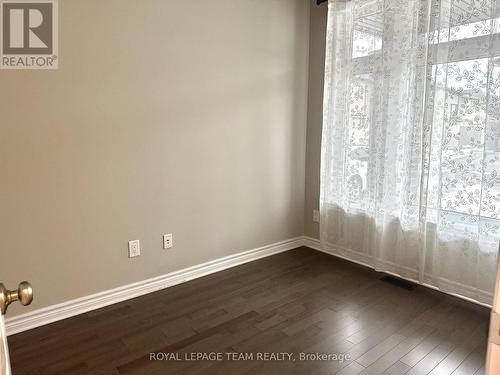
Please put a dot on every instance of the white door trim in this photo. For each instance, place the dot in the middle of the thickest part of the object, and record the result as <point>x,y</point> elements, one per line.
<point>4,350</point>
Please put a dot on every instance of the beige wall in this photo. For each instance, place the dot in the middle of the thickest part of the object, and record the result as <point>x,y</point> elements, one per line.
<point>314,114</point>
<point>164,116</point>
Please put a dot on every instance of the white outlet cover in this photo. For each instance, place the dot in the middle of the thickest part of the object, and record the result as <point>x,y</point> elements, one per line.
<point>316,216</point>
<point>168,241</point>
<point>134,248</point>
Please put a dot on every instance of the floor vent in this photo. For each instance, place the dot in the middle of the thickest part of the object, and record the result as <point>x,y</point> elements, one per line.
<point>396,281</point>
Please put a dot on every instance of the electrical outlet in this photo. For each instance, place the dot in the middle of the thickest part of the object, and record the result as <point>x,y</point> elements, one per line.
<point>316,216</point>
<point>168,241</point>
<point>134,248</point>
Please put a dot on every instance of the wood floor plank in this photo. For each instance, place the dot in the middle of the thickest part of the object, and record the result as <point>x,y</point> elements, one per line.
<point>438,354</point>
<point>353,368</point>
<point>473,362</point>
<point>300,301</point>
<point>398,368</point>
<point>449,364</point>
<point>394,355</point>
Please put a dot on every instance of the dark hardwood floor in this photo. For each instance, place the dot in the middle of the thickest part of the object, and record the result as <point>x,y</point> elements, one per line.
<point>301,301</point>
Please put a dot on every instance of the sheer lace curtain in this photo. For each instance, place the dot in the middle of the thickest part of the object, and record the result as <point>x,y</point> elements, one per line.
<point>411,140</point>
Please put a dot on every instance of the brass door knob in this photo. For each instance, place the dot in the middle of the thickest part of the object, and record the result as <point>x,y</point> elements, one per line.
<point>23,294</point>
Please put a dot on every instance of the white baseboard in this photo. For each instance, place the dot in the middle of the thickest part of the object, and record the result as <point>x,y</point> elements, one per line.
<point>312,243</point>
<point>77,306</point>
<point>315,244</point>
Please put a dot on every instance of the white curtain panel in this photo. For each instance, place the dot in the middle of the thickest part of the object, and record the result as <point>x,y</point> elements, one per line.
<point>410,174</point>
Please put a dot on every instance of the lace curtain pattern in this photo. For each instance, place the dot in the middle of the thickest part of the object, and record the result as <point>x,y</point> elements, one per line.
<point>411,140</point>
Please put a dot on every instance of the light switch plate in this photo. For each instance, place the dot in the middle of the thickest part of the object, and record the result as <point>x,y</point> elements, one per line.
<point>316,216</point>
<point>134,248</point>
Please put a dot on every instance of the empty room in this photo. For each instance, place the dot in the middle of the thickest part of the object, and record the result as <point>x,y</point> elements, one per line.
<point>249,187</point>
